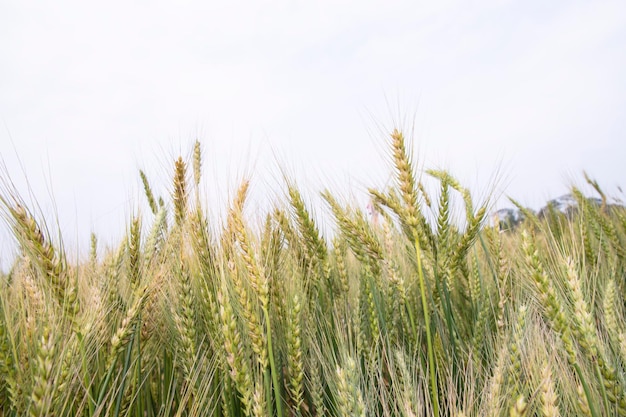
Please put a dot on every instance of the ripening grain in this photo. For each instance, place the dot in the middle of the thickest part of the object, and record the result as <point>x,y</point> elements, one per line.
<point>410,311</point>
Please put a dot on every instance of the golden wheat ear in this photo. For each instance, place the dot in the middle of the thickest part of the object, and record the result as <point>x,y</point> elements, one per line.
<point>405,177</point>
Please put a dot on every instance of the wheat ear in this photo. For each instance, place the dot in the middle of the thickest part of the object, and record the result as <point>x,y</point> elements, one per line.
<point>519,408</point>
<point>349,396</point>
<point>311,236</point>
<point>197,163</point>
<point>41,396</point>
<point>180,191</point>
<point>407,184</point>
<point>549,406</point>
<point>294,356</point>
<point>239,368</point>
<point>554,310</point>
<point>148,191</point>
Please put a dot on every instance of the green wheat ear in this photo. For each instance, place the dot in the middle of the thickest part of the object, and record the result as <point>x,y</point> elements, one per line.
<point>148,191</point>
<point>197,162</point>
<point>313,241</point>
<point>349,396</point>
<point>295,363</point>
<point>180,191</point>
<point>185,318</point>
<point>134,253</point>
<point>93,253</point>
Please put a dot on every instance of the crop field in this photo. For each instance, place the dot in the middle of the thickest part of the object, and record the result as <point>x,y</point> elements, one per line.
<point>409,311</point>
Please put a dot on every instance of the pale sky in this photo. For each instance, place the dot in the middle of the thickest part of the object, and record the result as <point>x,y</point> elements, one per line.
<point>92,92</point>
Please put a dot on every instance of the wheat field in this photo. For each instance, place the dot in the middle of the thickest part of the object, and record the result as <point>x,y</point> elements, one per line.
<point>415,311</point>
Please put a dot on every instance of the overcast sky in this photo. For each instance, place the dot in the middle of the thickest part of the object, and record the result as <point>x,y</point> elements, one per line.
<point>92,92</point>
